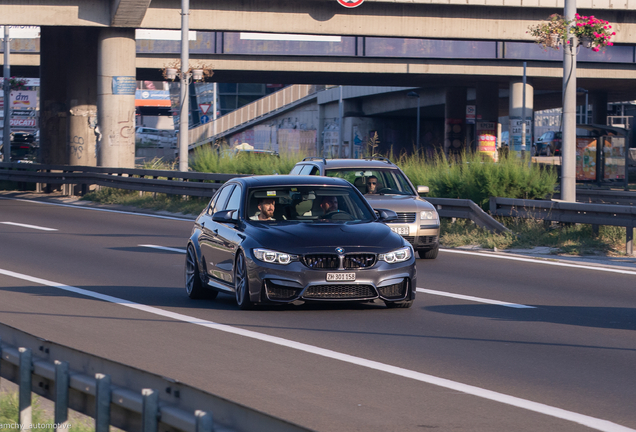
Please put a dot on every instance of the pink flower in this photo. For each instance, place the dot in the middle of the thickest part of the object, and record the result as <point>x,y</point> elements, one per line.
<point>610,43</point>
<point>613,33</point>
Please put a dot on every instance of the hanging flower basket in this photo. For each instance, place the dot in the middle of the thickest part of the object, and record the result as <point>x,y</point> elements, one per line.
<point>592,32</point>
<point>550,33</point>
<point>17,83</point>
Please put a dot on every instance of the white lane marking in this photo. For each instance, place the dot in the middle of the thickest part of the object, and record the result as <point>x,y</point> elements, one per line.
<point>164,248</point>
<point>475,299</point>
<point>541,261</point>
<point>29,226</point>
<point>184,219</point>
<point>591,422</point>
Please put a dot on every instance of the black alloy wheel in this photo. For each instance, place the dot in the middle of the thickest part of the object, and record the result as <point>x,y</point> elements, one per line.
<point>193,284</point>
<point>241,283</point>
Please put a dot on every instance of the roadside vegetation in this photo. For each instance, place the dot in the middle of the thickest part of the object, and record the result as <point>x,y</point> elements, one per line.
<point>9,415</point>
<point>467,176</point>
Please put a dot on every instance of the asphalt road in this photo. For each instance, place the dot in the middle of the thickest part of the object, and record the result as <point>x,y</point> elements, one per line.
<point>536,347</point>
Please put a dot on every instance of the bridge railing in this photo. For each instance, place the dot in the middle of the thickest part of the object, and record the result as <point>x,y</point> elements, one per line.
<point>115,394</point>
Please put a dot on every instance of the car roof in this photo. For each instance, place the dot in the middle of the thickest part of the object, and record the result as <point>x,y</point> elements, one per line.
<point>352,163</point>
<point>287,180</point>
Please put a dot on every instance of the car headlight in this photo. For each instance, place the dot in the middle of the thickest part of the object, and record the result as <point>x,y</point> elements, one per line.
<point>428,215</point>
<point>400,255</point>
<point>270,256</point>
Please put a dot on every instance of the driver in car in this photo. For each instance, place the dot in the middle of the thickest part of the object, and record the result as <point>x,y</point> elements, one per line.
<point>266,207</point>
<point>329,204</point>
<point>372,185</point>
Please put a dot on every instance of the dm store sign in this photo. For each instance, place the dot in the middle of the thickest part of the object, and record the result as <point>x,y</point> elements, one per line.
<point>23,99</point>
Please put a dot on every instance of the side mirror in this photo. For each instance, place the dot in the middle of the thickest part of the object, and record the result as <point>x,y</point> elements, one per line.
<point>385,215</point>
<point>422,189</point>
<point>224,216</point>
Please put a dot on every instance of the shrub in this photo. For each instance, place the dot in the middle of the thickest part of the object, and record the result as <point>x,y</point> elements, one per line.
<point>471,177</point>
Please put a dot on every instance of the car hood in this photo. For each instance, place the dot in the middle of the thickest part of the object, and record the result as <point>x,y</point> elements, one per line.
<point>399,203</point>
<point>302,238</point>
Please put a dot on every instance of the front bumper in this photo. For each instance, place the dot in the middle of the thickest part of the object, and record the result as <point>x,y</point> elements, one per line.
<point>274,283</point>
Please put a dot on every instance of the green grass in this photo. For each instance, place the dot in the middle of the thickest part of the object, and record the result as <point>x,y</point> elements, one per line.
<point>9,414</point>
<point>573,239</point>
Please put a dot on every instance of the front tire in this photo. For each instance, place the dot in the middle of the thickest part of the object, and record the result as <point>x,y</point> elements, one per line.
<point>428,253</point>
<point>241,283</point>
<point>405,304</point>
<point>193,284</point>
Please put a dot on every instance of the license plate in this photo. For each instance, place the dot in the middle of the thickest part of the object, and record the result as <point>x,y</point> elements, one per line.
<point>334,277</point>
<point>401,230</point>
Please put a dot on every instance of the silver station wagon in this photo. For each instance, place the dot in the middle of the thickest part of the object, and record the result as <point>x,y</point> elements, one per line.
<point>385,185</point>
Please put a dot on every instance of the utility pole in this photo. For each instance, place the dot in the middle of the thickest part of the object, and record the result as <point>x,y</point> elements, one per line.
<point>568,163</point>
<point>6,136</point>
<point>523,114</point>
<point>184,78</point>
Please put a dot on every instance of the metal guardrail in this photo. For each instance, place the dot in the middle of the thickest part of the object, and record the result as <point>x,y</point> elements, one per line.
<point>115,394</point>
<point>191,184</point>
<point>626,198</point>
<point>162,181</point>
<point>466,209</point>
<point>569,212</point>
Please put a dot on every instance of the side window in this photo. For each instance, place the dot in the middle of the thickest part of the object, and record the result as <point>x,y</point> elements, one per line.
<point>306,169</point>
<point>296,169</point>
<point>210,210</point>
<point>315,171</point>
<point>234,203</point>
<point>223,194</point>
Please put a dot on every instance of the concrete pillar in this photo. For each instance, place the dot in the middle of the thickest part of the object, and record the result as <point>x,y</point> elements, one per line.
<point>53,109</point>
<point>116,79</point>
<point>82,96</point>
<point>598,100</point>
<point>320,144</point>
<point>455,123</point>
<point>517,114</point>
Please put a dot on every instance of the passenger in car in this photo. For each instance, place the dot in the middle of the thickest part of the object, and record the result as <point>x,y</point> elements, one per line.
<point>266,207</point>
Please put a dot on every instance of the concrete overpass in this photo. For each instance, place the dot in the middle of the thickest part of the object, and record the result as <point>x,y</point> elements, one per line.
<point>429,44</point>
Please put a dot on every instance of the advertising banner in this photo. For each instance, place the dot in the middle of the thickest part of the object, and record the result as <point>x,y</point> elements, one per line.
<point>586,158</point>
<point>487,138</point>
<point>21,99</point>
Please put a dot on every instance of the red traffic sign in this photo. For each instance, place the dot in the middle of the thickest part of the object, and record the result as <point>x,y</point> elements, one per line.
<point>204,108</point>
<point>350,3</point>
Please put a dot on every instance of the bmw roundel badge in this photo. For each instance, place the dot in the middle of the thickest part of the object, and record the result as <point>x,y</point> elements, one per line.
<point>340,250</point>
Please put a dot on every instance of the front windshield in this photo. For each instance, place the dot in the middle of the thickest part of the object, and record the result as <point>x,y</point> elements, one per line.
<point>375,181</point>
<point>307,204</point>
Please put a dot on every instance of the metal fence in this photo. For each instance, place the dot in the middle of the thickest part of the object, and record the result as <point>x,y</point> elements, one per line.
<point>115,394</point>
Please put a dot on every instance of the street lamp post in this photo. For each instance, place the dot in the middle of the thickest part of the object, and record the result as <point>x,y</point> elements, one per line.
<point>568,146</point>
<point>417,133</point>
<point>185,78</point>
<point>6,136</point>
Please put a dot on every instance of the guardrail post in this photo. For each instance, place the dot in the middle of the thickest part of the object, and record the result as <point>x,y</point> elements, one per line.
<point>102,403</point>
<point>24,397</point>
<point>629,241</point>
<point>150,410</point>
<point>61,395</point>
<point>204,421</point>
